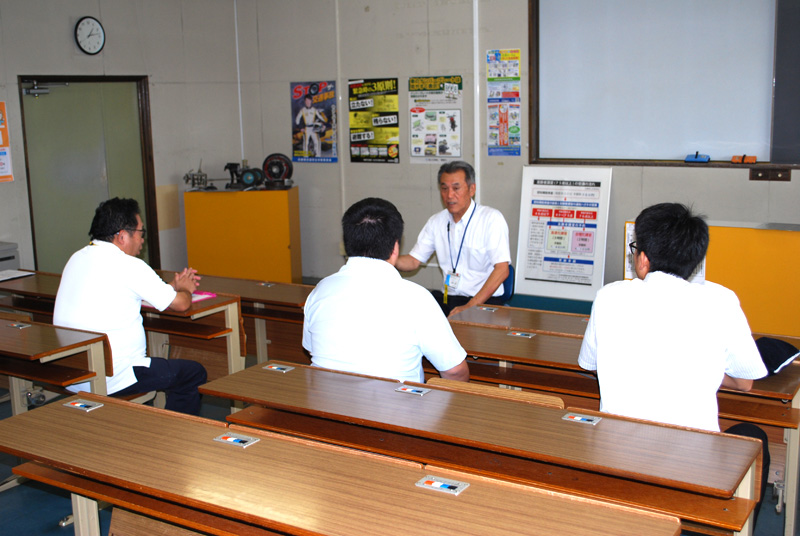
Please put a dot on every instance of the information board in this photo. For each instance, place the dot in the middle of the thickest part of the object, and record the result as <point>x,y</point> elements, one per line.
<point>562,231</point>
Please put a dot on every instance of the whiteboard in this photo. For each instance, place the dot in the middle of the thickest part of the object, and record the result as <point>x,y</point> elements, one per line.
<point>563,224</point>
<point>655,80</point>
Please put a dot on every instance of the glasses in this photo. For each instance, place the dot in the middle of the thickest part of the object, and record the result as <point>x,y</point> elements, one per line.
<point>633,247</point>
<point>142,230</point>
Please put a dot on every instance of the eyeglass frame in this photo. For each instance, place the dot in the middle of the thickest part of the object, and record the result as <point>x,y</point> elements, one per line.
<point>142,230</point>
<point>633,248</point>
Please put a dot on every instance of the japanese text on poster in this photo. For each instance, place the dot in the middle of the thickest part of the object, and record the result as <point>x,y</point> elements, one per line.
<point>5,147</point>
<point>314,121</point>
<point>435,104</point>
<point>374,120</point>
<point>562,234</point>
<point>504,120</point>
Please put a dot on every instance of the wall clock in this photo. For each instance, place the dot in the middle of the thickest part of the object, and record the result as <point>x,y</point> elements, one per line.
<point>89,35</point>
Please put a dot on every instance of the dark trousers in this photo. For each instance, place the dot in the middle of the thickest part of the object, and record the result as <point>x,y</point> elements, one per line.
<point>178,378</point>
<point>457,301</point>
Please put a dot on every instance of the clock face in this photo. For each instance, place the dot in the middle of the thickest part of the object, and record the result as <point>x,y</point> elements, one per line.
<point>89,35</point>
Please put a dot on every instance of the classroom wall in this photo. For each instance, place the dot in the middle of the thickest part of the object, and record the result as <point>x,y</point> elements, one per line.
<point>188,49</point>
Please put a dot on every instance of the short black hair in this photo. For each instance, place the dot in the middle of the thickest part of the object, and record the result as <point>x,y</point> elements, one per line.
<point>674,239</point>
<point>457,165</point>
<point>113,216</point>
<point>371,227</point>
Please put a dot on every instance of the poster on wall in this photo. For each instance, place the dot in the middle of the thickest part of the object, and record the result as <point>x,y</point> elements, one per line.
<point>434,107</point>
<point>374,120</point>
<point>5,147</point>
<point>504,118</point>
<point>562,231</point>
<point>314,121</point>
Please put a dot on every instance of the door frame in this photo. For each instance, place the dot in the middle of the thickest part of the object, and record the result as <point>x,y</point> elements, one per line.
<point>146,142</point>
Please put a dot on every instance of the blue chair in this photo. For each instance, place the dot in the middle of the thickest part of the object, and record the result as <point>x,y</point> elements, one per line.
<point>508,285</point>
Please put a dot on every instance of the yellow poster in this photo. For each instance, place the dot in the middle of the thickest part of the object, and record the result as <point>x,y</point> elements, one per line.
<point>5,149</point>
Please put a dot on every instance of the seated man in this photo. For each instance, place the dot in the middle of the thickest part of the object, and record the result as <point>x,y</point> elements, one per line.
<point>102,289</point>
<point>470,241</point>
<point>662,346</point>
<point>345,330</point>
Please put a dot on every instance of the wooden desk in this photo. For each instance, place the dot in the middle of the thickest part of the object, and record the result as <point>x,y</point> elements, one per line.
<point>510,347</point>
<point>535,432</point>
<point>289,485</point>
<point>276,310</point>
<point>515,318</point>
<point>44,343</point>
<point>37,293</point>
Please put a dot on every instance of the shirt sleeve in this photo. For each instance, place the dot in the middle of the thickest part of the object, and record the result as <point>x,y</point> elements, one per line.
<point>743,358</point>
<point>150,287</point>
<point>498,231</point>
<point>426,242</point>
<point>587,358</point>
<point>437,341</point>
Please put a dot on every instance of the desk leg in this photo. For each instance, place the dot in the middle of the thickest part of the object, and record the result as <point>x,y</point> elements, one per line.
<point>747,490</point>
<point>17,388</point>
<point>790,476</point>
<point>87,519</point>
<point>235,359</point>
<point>97,365</point>
<point>262,343</point>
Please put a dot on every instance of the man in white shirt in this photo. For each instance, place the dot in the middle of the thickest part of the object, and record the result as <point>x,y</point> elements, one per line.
<point>663,346</point>
<point>470,242</point>
<point>343,328</point>
<point>102,289</point>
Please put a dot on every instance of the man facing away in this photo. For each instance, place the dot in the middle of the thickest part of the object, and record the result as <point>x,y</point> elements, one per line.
<point>662,346</point>
<point>102,289</point>
<point>470,242</point>
<point>345,330</point>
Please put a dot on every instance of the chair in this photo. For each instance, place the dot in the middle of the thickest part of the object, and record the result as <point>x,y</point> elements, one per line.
<point>508,285</point>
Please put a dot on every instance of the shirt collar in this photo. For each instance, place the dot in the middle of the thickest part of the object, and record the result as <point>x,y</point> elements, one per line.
<point>465,218</point>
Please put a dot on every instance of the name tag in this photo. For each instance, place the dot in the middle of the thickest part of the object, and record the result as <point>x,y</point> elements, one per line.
<point>452,280</point>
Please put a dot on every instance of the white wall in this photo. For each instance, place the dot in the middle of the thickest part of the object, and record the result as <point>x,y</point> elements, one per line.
<point>188,50</point>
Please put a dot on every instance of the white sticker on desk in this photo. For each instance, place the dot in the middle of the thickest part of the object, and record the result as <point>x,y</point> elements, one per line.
<point>520,334</point>
<point>237,439</point>
<point>445,485</point>
<point>265,284</point>
<point>586,419</point>
<point>19,325</point>
<point>83,405</point>
<point>279,368</point>
<point>412,390</point>
<point>488,309</point>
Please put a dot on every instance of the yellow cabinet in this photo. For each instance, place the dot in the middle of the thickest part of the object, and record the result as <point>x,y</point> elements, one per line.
<point>249,235</point>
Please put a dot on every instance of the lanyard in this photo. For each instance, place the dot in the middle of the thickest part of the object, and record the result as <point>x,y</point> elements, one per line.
<point>450,249</point>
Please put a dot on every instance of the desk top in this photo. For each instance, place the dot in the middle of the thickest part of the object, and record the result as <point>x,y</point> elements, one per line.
<point>292,485</point>
<point>713,464</point>
<point>42,340</point>
<point>538,349</point>
<point>547,322</point>
<point>45,285</point>
<point>263,292</point>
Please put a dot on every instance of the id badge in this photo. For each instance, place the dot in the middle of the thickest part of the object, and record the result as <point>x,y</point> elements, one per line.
<point>451,280</point>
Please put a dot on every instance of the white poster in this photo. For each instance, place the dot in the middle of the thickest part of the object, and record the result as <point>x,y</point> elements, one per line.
<point>434,104</point>
<point>562,231</point>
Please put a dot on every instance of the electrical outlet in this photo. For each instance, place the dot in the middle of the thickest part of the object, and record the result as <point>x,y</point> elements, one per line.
<point>767,174</point>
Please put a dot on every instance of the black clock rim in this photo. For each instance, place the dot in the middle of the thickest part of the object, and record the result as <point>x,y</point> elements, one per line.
<point>75,35</point>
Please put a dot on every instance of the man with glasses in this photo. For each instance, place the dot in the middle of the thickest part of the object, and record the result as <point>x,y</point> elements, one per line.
<point>663,346</point>
<point>102,289</point>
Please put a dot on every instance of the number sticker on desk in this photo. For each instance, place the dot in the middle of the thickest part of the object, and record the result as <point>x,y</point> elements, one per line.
<point>487,309</point>
<point>237,440</point>
<point>83,405</point>
<point>454,487</point>
<point>279,368</point>
<point>412,390</point>
<point>19,325</point>
<point>586,419</point>
<point>520,334</point>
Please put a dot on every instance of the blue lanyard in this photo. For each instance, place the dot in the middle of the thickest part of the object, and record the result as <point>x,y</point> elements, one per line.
<point>450,249</point>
